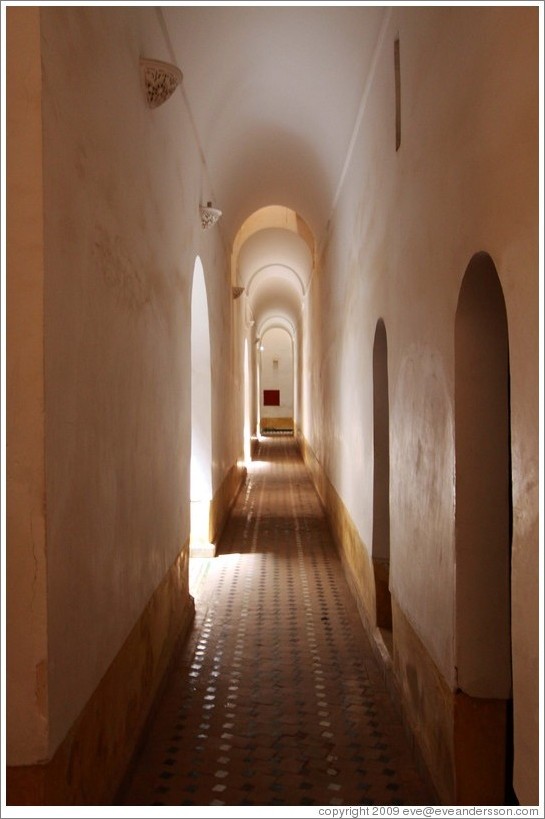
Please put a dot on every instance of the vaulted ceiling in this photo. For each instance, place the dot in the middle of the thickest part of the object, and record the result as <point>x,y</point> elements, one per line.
<point>274,93</point>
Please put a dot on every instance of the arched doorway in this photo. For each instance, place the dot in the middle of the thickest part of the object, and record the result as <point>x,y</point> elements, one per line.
<point>276,381</point>
<point>201,418</point>
<point>381,483</point>
<point>483,723</point>
<point>247,408</point>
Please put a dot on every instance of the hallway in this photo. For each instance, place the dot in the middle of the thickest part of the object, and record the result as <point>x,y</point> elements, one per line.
<point>276,699</point>
<point>212,237</point>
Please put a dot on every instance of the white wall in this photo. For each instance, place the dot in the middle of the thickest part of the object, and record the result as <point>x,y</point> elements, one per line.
<point>401,237</point>
<point>122,186</point>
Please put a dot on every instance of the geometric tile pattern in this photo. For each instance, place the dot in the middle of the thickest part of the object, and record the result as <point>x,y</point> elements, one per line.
<point>276,698</point>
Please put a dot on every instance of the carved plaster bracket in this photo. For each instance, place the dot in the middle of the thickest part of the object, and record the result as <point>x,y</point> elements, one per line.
<point>209,215</point>
<point>159,80</point>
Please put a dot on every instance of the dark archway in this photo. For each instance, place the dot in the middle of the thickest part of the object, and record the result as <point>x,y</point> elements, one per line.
<point>381,480</point>
<point>483,727</point>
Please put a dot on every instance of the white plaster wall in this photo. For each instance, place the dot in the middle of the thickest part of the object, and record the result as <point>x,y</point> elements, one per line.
<point>225,357</point>
<point>400,239</point>
<point>297,374</point>
<point>122,230</point>
<point>235,431</point>
<point>26,559</point>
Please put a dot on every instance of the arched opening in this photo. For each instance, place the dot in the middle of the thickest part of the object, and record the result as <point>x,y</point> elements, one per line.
<point>276,380</point>
<point>381,483</point>
<point>272,216</point>
<point>272,261</point>
<point>201,418</point>
<point>483,723</point>
<point>247,399</point>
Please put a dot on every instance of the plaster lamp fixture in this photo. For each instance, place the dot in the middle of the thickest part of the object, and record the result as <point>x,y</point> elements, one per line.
<point>237,291</point>
<point>160,80</point>
<point>209,215</point>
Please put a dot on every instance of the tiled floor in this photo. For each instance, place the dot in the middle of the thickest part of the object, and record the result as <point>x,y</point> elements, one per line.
<point>276,699</point>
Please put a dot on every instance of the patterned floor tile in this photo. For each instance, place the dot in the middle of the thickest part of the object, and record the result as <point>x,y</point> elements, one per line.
<point>276,698</point>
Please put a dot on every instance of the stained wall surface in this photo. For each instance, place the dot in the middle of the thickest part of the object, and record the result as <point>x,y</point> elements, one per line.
<point>122,187</point>
<point>26,608</point>
<point>405,227</point>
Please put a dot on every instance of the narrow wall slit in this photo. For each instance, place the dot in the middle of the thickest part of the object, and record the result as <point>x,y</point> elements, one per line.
<point>397,77</point>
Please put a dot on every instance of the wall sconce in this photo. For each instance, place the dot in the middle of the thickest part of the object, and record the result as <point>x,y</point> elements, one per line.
<point>209,215</point>
<point>237,291</point>
<point>159,80</point>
